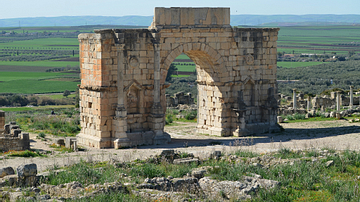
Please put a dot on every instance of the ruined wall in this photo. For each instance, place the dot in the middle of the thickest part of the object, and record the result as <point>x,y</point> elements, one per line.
<point>179,98</point>
<point>123,75</point>
<point>15,143</point>
<point>11,137</point>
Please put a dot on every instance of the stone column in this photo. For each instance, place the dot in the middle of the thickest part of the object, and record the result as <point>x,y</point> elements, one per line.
<point>157,92</point>
<point>337,101</point>
<point>120,126</point>
<point>294,99</point>
<point>120,80</point>
<point>308,104</point>
<point>157,112</point>
<point>351,97</point>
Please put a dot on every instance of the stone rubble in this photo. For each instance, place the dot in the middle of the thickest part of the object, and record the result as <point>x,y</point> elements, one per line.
<point>194,186</point>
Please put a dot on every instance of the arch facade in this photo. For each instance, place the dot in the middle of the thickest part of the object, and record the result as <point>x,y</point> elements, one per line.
<point>123,73</point>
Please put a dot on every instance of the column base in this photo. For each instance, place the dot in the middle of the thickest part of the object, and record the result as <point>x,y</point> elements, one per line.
<point>122,142</point>
<point>93,141</point>
<point>241,132</point>
<point>129,140</point>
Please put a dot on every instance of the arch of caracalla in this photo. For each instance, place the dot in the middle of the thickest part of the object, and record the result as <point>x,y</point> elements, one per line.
<point>123,71</point>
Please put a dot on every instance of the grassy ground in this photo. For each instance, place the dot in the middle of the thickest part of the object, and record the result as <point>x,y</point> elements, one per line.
<point>303,180</point>
<point>66,122</point>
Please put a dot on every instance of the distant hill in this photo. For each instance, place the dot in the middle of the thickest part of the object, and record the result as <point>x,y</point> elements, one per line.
<point>294,20</point>
<point>250,20</point>
<point>76,21</point>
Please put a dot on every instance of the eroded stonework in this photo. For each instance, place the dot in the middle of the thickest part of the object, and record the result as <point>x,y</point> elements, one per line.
<point>123,75</point>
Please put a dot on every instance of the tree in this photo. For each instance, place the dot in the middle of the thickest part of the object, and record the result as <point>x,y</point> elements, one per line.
<point>171,71</point>
<point>66,93</point>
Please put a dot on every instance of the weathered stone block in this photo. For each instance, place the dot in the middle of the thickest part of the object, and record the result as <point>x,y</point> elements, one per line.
<point>26,170</point>
<point>6,171</point>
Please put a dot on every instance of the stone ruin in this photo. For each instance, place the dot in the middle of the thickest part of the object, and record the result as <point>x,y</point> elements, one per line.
<point>179,98</point>
<point>309,105</point>
<point>11,137</point>
<point>123,71</point>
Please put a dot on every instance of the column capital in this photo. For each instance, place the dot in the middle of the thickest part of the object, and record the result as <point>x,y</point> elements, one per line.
<point>119,47</point>
<point>156,46</point>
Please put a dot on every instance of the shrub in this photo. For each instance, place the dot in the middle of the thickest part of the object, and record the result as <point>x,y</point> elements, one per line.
<point>289,117</point>
<point>190,115</point>
<point>41,135</point>
<point>298,116</point>
<point>25,153</point>
<point>168,119</point>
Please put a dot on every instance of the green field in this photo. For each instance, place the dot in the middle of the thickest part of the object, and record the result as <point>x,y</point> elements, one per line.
<point>20,109</point>
<point>10,76</point>
<point>45,63</point>
<point>179,76</point>
<point>36,82</point>
<point>43,43</point>
<point>183,57</point>
<point>185,68</point>
<point>298,64</point>
<point>57,96</point>
<point>37,86</point>
<point>319,39</point>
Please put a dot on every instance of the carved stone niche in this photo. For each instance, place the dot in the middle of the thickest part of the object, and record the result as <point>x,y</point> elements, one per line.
<point>133,98</point>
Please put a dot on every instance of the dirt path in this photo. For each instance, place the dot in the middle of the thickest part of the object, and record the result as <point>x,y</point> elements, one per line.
<point>338,135</point>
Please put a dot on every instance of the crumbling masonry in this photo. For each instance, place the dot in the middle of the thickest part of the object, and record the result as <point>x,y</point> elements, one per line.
<point>123,75</point>
<point>11,137</point>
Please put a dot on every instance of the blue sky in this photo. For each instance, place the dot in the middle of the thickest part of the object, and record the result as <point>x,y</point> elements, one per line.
<point>52,8</point>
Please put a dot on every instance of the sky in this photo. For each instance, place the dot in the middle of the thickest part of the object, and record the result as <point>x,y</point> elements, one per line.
<point>53,8</point>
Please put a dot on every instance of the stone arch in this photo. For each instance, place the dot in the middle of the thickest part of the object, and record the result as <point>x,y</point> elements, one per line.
<point>228,60</point>
<point>203,55</point>
<point>209,67</point>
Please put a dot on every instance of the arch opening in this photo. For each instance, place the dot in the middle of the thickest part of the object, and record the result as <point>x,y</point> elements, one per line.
<point>210,101</point>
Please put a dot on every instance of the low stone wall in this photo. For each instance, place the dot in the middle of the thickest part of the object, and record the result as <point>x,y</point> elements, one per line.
<point>15,143</point>
<point>179,98</point>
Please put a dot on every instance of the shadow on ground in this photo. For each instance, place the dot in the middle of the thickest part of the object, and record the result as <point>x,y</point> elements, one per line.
<point>284,136</point>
